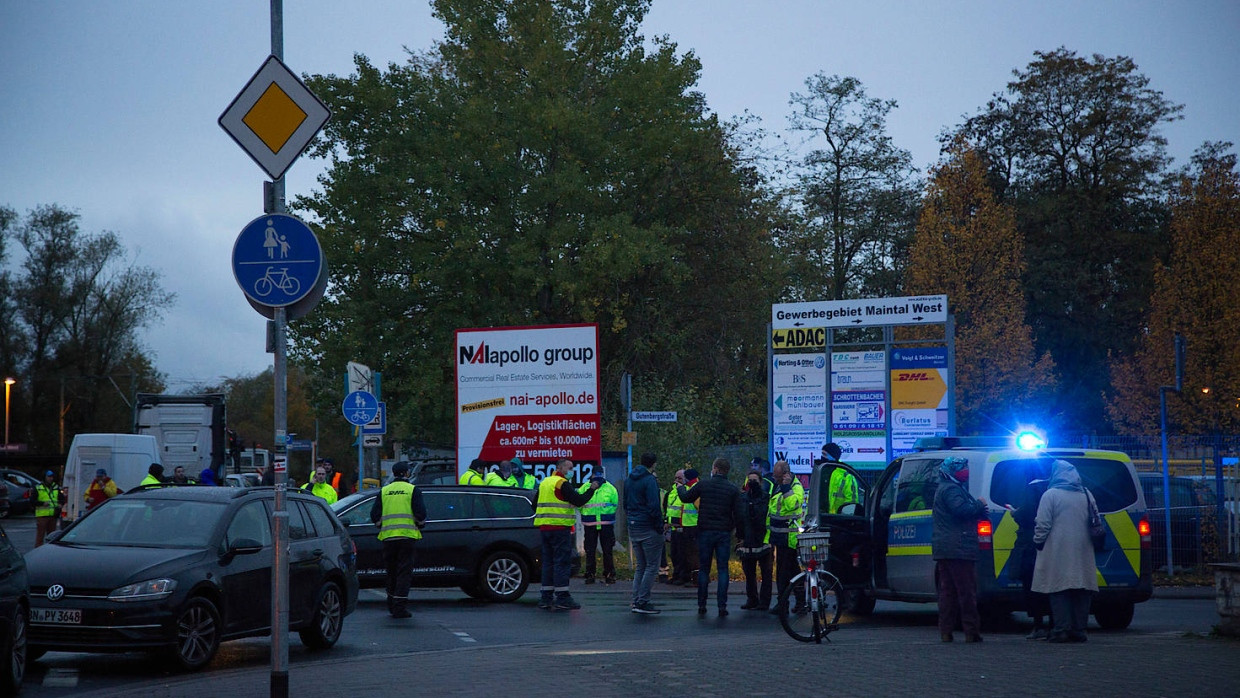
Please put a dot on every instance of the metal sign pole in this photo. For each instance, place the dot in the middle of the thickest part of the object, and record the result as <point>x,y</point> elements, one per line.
<point>279,520</point>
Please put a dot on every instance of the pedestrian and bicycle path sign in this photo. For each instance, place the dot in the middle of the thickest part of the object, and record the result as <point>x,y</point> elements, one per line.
<point>277,260</point>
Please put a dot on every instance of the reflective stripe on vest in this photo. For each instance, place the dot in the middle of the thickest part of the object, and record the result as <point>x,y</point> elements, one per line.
<point>551,510</point>
<point>397,519</point>
<point>690,517</point>
<point>601,509</point>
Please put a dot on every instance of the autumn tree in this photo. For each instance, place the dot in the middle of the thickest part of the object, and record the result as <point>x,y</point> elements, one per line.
<point>1074,146</point>
<point>967,247</point>
<point>857,191</point>
<point>1195,296</point>
<point>78,303</point>
<point>543,165</point>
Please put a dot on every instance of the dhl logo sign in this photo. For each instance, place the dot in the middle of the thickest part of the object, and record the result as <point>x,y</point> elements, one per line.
<point>913,389</point>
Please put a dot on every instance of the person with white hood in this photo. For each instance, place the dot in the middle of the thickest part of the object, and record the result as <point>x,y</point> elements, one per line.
<point>1066,569</point>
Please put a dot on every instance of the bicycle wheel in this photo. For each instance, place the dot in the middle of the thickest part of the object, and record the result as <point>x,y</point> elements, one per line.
<point>262,287</point>
<point>809,609</point>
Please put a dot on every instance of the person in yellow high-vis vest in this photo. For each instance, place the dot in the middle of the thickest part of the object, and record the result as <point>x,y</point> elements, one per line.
<point>400,513</point>
<point>48,500</point>
<point>689,527</point>
<point>785,511</point>
<point>475,474</point>
<point>598,516</point>
<point>554,517</point>
<point>674,515</point>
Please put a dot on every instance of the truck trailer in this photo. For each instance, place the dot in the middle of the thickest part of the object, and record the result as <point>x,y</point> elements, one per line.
<point>189,430</point>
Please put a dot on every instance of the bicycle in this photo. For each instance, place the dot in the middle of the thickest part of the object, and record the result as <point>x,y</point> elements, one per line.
<point>811,605</point>
<point>276,279</point>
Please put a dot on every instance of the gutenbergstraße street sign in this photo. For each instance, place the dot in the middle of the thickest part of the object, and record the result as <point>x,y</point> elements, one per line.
<point>863,312</point>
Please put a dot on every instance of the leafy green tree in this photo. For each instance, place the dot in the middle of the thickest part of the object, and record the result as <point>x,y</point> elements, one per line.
<point>79,305</point>
<point>1193,295</point>
<point>858,194</point>
<point>542,166</point>
<point>967,247</point>
<point>1074,145</point>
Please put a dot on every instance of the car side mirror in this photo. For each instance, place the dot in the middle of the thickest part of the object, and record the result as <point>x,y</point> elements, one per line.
<point>243,546</point>
<point>53,536</point>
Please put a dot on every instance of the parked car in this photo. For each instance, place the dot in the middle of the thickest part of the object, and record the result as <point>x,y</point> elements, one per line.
<point>243,480</point>
<point>14,617</point>
<point>20,488</point>
<point>1188,510</point>
<point>177,570</point>
<point>481,539</point>
<point>433,471</point>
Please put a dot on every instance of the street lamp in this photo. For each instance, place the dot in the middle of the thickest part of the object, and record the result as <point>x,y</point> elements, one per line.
<point>8,385</point>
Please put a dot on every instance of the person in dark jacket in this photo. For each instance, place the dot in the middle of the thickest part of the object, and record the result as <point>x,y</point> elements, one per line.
<point>720,513</point>
<point>1026,553</point>
<point>644,512</point>
<point>755,548</point>
<point>954,546</point>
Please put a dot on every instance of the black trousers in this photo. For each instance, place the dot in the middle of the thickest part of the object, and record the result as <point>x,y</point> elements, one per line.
<point>398,557</point>
<point>689,548</point>
<point>606,535</point>
<point>752,564</point>
<point>786,567</point>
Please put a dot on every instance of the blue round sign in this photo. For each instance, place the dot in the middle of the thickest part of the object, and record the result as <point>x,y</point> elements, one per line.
<point>277,260</point>
<point>360,408</point>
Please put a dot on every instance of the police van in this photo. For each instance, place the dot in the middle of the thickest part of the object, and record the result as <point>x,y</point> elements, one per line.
<point>880,546</point>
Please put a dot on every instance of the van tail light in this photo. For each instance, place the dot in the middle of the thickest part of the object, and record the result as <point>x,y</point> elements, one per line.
<point>856,559</point>
<point>985,534</point>
<point>1143,528</point>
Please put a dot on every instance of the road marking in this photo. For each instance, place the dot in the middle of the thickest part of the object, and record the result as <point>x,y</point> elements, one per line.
<point>61,678</point>
<point>463,637</point>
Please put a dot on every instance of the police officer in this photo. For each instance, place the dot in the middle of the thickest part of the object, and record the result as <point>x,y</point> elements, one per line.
<point>842,488</point>
<point>785,511</point>
<point>598,516</point>
<point>554,518</point>
<point>475,474</point>
<point>48,500</point>
<point>154,475</point>
<point>318,485</point>
<point>400,513</point>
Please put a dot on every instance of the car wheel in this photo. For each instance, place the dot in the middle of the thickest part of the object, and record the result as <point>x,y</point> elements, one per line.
<point>328,619</point>
<point>503,576</point>
<point>14,670</point>
<point>1116,616</point>
<point>198,634</point>
<point>859,603</point>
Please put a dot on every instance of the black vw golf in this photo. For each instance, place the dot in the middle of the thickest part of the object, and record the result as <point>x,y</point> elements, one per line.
<point>180,569</point>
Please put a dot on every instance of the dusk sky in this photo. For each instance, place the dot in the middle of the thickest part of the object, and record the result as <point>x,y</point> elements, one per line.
<point>110,108</point>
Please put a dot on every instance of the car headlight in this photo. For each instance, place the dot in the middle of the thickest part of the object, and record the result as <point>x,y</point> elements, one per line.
<point>149,590</point>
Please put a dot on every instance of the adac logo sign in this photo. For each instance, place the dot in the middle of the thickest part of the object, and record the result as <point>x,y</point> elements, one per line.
<point>917,389</point>
<point>482,354</point>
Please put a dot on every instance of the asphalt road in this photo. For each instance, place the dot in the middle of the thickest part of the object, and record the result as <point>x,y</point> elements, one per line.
<point>452,643</point>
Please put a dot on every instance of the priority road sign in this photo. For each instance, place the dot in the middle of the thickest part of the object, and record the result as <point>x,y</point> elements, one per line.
<point>277,260</point>
<point>274,117</point>
<point>359,407</point>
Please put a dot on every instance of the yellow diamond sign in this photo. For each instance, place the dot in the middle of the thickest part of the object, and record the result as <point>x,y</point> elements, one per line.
<point>274,117</point>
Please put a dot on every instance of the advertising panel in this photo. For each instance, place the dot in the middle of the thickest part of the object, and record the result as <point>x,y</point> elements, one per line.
<point>799,409</point>
<point>918,396</point>
<point>858,406</point>
<point>529,392</point>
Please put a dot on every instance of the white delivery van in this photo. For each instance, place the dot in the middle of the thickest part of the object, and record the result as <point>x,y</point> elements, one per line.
<point>126,457</point>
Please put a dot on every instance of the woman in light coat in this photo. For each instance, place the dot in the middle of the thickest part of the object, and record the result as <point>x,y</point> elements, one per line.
<point>1066,568</point>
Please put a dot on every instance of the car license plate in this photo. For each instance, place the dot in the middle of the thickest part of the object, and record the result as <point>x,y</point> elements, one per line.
<point>55,615</point>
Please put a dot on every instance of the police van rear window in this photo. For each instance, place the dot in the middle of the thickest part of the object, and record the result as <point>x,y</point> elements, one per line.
<point>1108,480</point>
